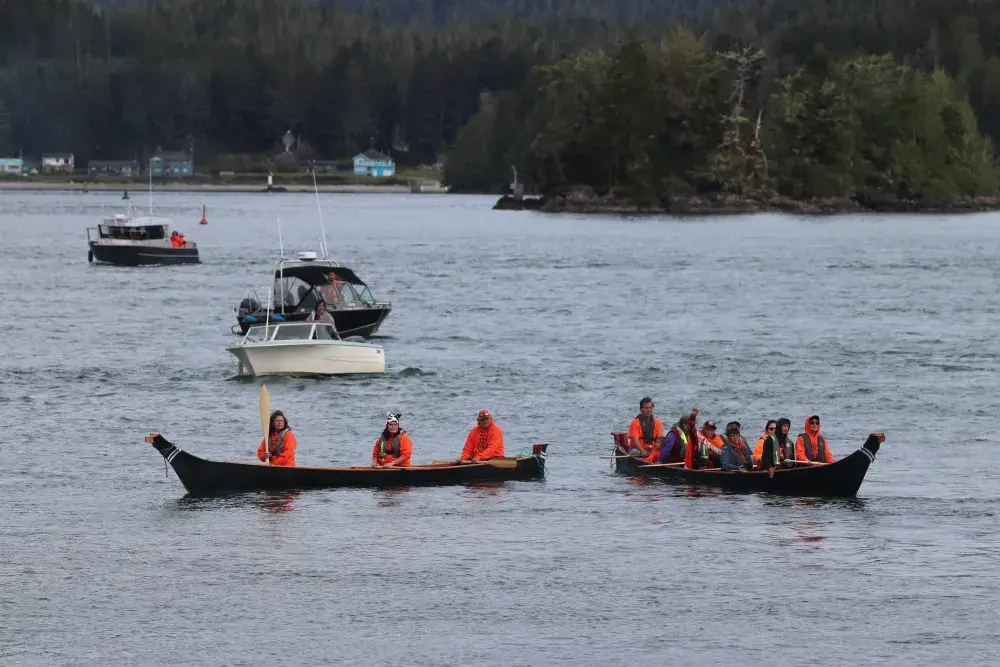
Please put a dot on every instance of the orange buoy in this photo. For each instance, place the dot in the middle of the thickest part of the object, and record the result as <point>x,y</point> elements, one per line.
<point>204,221</point>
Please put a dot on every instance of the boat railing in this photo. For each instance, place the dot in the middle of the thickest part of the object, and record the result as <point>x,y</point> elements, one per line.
<point>287,331</point>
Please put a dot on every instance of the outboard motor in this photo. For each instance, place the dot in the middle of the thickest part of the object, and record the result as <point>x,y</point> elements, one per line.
<point>247,306</point>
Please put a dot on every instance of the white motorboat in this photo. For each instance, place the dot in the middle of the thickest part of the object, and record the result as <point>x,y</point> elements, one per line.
<point>303,348</point>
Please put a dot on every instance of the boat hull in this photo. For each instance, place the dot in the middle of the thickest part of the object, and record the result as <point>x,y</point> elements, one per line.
<point>842,478</point>
<point>308,357</point>
<point>362,322</point>
<point>122,254</point>
<point>202,477</point>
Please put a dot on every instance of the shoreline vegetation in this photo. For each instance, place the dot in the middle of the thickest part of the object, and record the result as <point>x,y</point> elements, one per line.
<point>722,204</point>
<point>677,127</point>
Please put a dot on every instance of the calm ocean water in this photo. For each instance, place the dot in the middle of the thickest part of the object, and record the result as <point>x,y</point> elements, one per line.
<point>558,325</point>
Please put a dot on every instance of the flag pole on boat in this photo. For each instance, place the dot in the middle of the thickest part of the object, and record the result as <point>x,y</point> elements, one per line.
<point>320,209</point>
<point>281,246</point>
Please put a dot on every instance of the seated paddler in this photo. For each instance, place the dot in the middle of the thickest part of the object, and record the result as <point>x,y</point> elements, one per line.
<point>485,440</point>
<point>811,446</point>
<point>393,448</point>
<point>645,433</point>
<point>281,448</point>
<point>736,454</point>
<point>710,443</point>
<point>675,444</point>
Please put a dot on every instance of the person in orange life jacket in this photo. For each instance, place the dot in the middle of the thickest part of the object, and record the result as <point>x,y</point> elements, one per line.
<point>175,239</point>
<point>758,449</point>
<point>708,452</point>
<point>393,448</point>
<point>282,446</point>
<point>485,440</point>
<point>678,436</point>
<point>736,454</point>
<point>811,446</point>
<point>645,433</point>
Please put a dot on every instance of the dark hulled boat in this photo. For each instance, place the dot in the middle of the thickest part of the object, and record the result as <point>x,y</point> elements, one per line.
<point>201,477</point>
<point>300,284</point>
<point>842,478</point>
<point>126,241</point>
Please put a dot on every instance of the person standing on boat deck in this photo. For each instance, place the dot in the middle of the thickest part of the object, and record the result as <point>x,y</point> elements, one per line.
<point>282,445</point>
<point>817,448</point>
<point>321,315</point>
<point>485,440</point>
<point>645,434</point>
<point>393,448</point>
<point>678,437</point>
<point>736,454</point>
<point>758,450</point>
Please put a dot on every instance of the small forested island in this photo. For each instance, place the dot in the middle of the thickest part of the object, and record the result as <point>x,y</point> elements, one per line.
<point>669,127</point>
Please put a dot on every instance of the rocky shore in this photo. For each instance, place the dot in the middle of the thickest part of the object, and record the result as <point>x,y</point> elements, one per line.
<point>584,202</point>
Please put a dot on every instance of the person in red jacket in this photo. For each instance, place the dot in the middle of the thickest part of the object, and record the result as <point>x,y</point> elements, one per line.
<point>282,446</point>
<point>393,448</point>
<point>485,440</point>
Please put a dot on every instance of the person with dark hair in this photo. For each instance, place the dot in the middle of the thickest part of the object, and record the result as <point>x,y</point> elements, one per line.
<point>675,445</point>
<point>393,448</point>
<point>645,433</point>
<point>281,450</point>
<point>736,454</point>
<point>758,450</point>
<point>321,315</point>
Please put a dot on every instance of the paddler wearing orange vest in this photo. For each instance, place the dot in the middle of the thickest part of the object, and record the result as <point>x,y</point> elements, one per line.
<point>645,433</point>
<point>393,448</point>
<point>485,440</point>
<point>282,445</point>
<point>811,446</point>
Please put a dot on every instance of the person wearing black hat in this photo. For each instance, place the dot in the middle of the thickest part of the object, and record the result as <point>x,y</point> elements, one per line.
<point>710,443</point>
<point>736,454</point>
<point>393,448</point>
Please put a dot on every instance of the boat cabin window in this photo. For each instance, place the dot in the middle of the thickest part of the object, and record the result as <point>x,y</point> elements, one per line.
<point>284,331</point>
<point>124,232</point>
<point>295,331</point>
<point>291,292</point>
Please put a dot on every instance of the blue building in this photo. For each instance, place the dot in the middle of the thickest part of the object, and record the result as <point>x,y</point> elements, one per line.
<point>373,163</point>
<point>171,164</point>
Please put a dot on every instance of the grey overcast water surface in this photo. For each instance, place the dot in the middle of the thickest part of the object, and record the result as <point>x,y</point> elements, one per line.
<point>558,325</point>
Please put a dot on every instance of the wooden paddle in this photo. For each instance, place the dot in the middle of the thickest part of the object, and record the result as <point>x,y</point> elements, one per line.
<point>663,465</point>
<point>496,463</point>
<point>265,421</point>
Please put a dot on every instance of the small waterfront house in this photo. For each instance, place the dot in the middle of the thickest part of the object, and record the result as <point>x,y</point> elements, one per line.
<point>113,168</point>
<point>11,165</point>
<point>374,163</point>
<point>54,163</point>
<point>171,164</point>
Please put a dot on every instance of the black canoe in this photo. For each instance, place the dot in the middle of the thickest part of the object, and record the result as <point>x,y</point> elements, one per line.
<point>842,478</point>
<point>201,477</point>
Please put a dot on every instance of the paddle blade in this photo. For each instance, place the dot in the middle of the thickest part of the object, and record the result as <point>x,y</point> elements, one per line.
<point>503,463</point>
<point>265,413</point>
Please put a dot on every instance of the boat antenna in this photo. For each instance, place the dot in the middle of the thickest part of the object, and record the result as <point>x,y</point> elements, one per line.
<point>281,246</point>
<point>320,209</point>
<point>149,172</point>
<point>267,314</point>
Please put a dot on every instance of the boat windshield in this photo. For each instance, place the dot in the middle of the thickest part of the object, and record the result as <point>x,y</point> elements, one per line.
<point>142,233</point>
<point>263,333</point>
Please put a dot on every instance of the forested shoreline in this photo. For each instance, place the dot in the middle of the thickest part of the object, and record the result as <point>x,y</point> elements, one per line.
<point>751,101</point>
